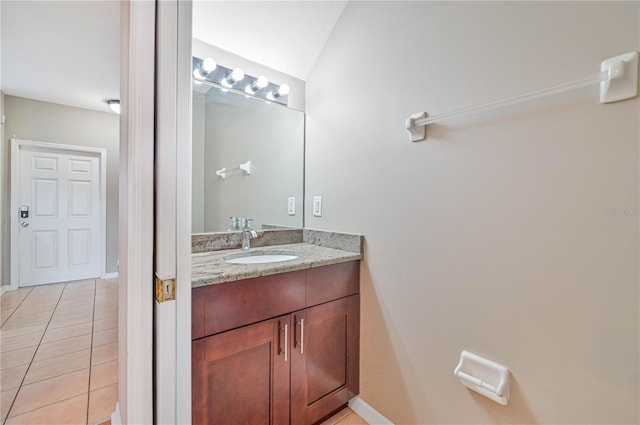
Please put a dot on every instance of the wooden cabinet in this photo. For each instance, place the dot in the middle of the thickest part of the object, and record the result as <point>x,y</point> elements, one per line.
<point>254,365</point>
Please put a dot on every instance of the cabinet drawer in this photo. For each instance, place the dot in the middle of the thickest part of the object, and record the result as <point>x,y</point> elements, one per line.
<point>218,308</point>
<point>332,282</point>
<point>289,292</point>
<point>234,304</point>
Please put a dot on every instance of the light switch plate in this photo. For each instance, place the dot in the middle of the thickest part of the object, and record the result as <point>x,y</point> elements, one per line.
<point>291,206</point>
<point>317,206</point>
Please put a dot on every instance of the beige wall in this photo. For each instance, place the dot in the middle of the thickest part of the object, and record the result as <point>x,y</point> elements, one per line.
<point>511,235</point>
<point>49,122</point>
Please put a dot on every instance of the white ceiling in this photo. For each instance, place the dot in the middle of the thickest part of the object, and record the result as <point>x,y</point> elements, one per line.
<point>64,52</point>
<point>286,36</point>
<point>68,52</point>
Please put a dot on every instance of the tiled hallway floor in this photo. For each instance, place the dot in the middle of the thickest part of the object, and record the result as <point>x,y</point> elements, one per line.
<point>59,353</point>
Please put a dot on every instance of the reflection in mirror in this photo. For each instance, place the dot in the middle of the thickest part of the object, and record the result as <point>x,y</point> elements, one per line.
<point>230,129</point>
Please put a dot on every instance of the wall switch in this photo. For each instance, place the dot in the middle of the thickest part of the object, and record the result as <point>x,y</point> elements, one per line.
<point>317,206</point>
<point>291,206</point>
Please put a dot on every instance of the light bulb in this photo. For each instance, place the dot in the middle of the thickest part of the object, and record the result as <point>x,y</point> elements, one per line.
<point>260,83</point>
<point>237,75</point>
<point>208,65</point>
<point>233,77</point>
<point>283,90</point>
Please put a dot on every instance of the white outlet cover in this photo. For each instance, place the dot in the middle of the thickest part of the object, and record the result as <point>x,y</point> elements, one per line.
<point>317,206</point>
<point>291,206</point>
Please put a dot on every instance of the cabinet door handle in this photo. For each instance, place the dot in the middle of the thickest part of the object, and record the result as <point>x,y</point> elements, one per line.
<point>286,341</point>
<point>301,324</point>
<point>295,331</point>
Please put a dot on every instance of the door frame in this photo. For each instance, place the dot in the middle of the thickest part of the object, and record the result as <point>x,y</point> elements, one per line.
<point>172,318</point>
<point>16,146</point>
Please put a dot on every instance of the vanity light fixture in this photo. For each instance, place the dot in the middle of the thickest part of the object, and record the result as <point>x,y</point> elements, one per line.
<point>283,90</point>
<point>207,71</point>
<point>233,77</point>
<point>260,83</point>
<point>114,105</point>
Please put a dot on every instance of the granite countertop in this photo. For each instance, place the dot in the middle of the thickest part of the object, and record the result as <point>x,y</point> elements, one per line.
<point>209,268</point>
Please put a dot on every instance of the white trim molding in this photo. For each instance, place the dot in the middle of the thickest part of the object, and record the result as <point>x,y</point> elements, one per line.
<point>368,413</point>
<point>112,275</point>
<point>173,221</point>
<point>115,416</point>
<point>183,214</point>
<point>136,220</point>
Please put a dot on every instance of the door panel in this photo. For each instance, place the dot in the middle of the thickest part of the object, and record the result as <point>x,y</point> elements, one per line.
<point>79,247</point>
<point>241,376</point>
<point>46,249</point>
<point>241,394</point>
<point>45,198</point>
<point>61,239</point>
<point>79,166</point>
<point>80,198</point>
<point>44,163</point>
<point>327,367</point>
<point>321,360</point>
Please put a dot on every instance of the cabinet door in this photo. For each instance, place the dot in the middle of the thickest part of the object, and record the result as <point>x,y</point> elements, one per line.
<point>241,376</point>
<point>324,358</point>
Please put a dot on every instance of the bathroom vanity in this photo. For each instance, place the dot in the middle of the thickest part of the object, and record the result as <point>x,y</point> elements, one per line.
<point>275,343</point>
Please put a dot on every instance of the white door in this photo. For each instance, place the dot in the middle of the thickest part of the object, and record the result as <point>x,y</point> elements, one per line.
<point>59,215</point>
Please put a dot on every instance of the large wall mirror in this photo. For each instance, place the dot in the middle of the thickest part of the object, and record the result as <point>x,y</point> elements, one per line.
<point>230,129</point>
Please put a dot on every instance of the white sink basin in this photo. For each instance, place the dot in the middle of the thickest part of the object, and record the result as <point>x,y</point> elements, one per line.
<point>258,257</point>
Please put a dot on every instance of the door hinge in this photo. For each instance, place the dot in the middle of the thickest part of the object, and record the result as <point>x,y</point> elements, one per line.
<point>165,289</point>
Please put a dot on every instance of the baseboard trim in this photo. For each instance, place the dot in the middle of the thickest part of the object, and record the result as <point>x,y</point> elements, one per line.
<point>115,416</point>
<point>368,413</point>
<point>2,289</point>
<point>113,275</point>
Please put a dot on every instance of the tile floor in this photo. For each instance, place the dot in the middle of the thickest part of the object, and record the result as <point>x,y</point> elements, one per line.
<point>345,417</point>
<point>59,353</point>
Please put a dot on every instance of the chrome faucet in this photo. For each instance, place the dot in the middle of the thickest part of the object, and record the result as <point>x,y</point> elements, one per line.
<point>247,234</point>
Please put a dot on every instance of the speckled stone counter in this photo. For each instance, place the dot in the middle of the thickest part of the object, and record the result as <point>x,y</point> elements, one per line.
<point>209,268</point>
